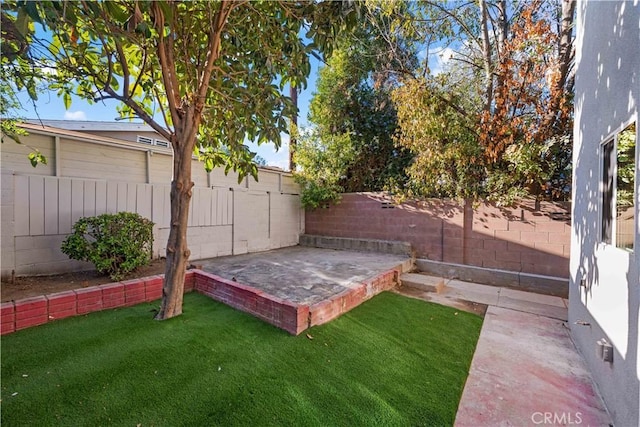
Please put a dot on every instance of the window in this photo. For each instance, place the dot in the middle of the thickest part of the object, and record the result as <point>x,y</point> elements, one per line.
<point>617,189</point>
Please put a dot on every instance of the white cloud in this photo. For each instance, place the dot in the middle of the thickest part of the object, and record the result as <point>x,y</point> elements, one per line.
<point>284,143</point>
<point>49,71</point>
<point>439,58</point>
<point>75,115</point>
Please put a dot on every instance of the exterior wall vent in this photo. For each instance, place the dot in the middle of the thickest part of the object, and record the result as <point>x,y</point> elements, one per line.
<point>145,140</point>
<point>161,143</point>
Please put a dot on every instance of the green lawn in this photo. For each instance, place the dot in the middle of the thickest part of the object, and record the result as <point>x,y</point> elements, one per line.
<point>391,361</point>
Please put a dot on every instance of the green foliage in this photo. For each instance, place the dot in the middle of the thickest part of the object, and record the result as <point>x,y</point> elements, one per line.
<point>236,156</point>
<point>497,119</point>
<point>115,243</point>
<point>353,119</point>
<point>626,163</point>
<point>448,159</point>
<point>17,73</point>
<point>322,165</point>
<point>152,56</point>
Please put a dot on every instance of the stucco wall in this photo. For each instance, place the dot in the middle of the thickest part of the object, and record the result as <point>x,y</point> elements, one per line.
<point>605,281</point>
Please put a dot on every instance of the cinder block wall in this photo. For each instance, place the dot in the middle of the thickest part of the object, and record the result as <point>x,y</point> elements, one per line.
<point>526,238</point>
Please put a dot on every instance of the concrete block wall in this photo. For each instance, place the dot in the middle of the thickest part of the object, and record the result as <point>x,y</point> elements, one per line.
<point>529,238</point>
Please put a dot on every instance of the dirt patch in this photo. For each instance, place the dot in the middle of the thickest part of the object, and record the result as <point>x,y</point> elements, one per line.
<point>31,286</point>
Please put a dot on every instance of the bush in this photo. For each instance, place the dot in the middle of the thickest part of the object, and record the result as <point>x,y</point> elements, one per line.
<point>115,243</point>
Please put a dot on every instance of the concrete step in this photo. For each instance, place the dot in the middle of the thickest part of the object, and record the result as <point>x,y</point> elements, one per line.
<point>459,294</point>
<point>422,282</point>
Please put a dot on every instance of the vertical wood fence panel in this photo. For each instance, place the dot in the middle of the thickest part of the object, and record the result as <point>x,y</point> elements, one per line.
<point>36,202</point>
<point>49,206</point>
<point>89,198</point>
<point>64,206</point>
<point>101,197</point>
<point>21,201</point>
<point>77,200</point>
<point>51,209</point>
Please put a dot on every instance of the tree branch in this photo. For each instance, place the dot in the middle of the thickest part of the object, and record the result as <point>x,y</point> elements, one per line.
<point>213,48</point>
<point>166,63</point>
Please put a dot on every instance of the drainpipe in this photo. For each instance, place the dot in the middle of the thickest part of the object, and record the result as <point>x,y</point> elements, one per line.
<point>233,220</point>
<point>269,215</point>
<point>149,154</point>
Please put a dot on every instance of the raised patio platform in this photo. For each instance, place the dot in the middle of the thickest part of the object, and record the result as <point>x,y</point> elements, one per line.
<point>292,288</point>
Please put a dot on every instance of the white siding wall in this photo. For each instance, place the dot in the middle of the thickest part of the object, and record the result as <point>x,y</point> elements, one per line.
<point>14,156</point>
<point>160,169</point>
<point>605,281</point>
<point>79,159</point>
<point>39,208</point>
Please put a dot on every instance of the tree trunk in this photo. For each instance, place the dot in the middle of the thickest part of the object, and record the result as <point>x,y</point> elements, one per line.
<point>294,122</point>
<point>503,32</point>
<point>177,251</point>
<point>565,48</point>
<point>486,56</point>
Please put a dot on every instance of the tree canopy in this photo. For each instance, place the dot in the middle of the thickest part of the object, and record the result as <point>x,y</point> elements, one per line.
<point>205,75</point>
<point>507,88</point>
<point>493,119</point>
<point>349,145</point>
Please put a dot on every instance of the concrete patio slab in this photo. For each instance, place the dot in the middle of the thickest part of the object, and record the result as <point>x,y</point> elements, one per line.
<point>304,275</point>
<point>483,294</point>
<point>533,297</point>
<point>457,293</point>
<point>546,310</point>
<point>526,372</point>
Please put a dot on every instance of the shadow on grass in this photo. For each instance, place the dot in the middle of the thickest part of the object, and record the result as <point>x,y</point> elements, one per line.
<point>391,361</point>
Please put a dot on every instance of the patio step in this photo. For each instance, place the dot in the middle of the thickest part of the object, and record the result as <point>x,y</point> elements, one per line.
<point>423,282</point>
<point>476,298</point>
<point>435,289</point>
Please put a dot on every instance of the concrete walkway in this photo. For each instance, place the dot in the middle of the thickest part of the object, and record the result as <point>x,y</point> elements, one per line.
<point>526,370</point>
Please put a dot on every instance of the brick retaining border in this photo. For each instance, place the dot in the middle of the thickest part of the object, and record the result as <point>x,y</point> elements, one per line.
<point>293,318</point>
<point>21,314</point>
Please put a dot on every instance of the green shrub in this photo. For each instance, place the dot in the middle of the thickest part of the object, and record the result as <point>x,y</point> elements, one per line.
<point>115,243</point>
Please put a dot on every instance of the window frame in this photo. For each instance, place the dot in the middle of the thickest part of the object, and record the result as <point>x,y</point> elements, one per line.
<point>613,203</point>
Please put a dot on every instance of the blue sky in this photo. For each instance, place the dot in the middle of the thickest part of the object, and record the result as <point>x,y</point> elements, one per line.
<point>49,106</point>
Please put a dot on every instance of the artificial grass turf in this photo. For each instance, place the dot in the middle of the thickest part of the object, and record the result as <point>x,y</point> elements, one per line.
<point>391,361</point>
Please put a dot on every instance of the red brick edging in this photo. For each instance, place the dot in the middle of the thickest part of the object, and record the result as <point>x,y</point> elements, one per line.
<point>293,318</point>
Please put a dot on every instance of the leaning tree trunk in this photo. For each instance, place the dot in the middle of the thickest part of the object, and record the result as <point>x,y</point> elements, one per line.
<point>486,56</point>
<point>177,251</point>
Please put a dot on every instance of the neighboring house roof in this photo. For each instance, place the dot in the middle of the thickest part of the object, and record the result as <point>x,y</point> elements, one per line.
<point>85,125</point>
<point>88,137</point>
<point>42,127</point>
